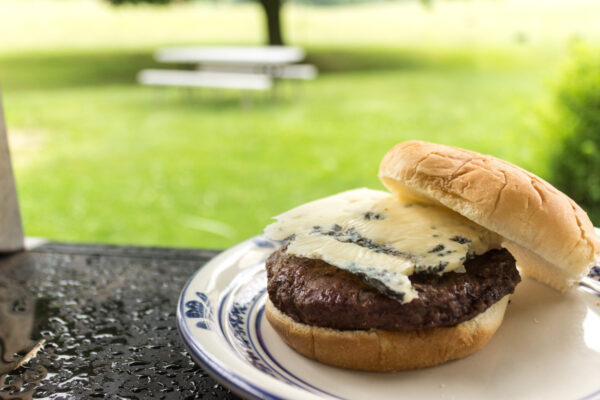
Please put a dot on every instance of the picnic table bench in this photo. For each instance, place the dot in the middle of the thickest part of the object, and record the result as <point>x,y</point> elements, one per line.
<point>213,79</point>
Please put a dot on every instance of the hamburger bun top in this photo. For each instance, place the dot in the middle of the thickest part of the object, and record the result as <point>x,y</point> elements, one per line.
<point>551,237</point>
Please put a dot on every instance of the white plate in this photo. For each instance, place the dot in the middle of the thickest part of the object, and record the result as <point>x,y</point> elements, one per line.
<point>547,348</point>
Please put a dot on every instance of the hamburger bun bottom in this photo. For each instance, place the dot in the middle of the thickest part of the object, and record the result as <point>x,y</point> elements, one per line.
<point>380,350</point>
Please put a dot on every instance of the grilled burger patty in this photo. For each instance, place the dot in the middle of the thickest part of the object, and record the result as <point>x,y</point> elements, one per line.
<point>316,293</point>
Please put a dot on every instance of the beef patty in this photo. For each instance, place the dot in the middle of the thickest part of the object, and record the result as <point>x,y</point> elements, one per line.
<point>316,293</point>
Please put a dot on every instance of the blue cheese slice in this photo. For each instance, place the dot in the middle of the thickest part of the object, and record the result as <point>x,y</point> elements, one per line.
<point>381,238</point>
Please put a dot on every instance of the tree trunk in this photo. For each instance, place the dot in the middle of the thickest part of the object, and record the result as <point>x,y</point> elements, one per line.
<point>273,18</point>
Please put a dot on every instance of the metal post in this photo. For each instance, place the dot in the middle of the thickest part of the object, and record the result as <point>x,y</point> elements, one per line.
<point>11,230</point>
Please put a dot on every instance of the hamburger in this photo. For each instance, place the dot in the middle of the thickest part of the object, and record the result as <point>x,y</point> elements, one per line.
<point>420,275</point>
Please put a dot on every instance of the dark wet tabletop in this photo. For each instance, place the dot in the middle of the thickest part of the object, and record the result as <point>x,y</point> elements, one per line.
<point>105,319</point>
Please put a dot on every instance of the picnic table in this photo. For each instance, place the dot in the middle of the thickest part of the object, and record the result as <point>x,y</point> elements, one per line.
<point>229,67</point>
<point>107,316</point>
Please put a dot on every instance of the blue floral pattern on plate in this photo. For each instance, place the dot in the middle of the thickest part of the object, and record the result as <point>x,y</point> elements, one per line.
<point>595,273</point>
<point>200,309</point>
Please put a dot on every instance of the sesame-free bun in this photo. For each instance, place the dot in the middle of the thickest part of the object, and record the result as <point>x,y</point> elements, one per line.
<point>379,350</point>
<point>550,236</point>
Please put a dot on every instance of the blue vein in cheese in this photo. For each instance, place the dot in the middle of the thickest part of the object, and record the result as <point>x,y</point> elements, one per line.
<point>381,238</point>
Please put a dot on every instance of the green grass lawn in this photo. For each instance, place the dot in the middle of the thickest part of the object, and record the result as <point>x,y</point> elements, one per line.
<point>100,159</point>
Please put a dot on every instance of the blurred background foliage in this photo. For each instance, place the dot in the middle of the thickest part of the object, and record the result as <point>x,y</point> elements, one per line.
<point>99,158</point>
<point>576,126</point>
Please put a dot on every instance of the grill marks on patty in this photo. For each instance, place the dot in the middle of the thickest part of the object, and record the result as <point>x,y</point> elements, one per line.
<point>316,293</point>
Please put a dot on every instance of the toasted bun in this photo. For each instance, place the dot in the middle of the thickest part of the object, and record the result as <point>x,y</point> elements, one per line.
<point>379,350</point>
<point>551,237</point>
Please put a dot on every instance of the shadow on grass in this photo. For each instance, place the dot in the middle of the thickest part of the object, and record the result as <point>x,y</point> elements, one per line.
<point>341,59</point>
<point>63,70</point>
<point>215,100</point>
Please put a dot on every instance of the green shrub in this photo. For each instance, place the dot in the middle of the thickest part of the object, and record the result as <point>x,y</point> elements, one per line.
<point>576,164</point>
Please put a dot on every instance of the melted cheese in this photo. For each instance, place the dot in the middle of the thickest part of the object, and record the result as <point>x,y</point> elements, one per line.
<point>381,238</point>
